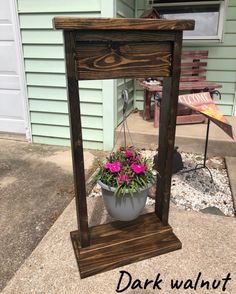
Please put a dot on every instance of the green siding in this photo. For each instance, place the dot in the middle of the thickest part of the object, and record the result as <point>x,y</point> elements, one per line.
<point>62,6</point>
<point>140,7</point>
<point>64,132</point>
<point>60,119</point>
<point>124,9</point>
<point>40,21</point>
<point>221,62</point>
<point>65,142</point>
<point>41,37</point>
<point>45,75</point>
<point>42,66</point>
<point>42,51</point>
<point>61,107</point>
<point>130,87</point>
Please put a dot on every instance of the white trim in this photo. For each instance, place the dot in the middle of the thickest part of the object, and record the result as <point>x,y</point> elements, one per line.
<point>221,19</point>
<point>234,106</point>
<point>186,3</point>
<point>108,93</point>
<point>115,103</point>
<point>216,37</point>
<point>219,36</point>
<point>135,9</point>
<point>108,8</point>
<point>20,59</point>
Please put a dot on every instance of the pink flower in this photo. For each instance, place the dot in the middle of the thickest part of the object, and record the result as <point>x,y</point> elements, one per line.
<point>137,168</point>
<point>123,178</point>
<point>128,153</point>
<point>114,167</point>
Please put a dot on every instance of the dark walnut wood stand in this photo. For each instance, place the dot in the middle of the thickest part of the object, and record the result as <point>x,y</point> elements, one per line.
<point>114,48</point>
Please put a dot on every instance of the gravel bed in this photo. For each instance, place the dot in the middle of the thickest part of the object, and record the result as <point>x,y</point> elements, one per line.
<point>195,190</point>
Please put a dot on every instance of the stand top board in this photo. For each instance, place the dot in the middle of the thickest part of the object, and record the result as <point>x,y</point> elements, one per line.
<point>76,23</point>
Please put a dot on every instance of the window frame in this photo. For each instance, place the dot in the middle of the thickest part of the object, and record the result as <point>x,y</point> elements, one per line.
<point>214,38</point>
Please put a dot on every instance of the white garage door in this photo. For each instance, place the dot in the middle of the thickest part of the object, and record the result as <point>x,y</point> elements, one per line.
<point>12,110</point>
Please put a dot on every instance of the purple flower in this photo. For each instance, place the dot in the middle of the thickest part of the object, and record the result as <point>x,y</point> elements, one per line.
<point>114,167</point>
<point>123,178</point>
<point>137,168</point>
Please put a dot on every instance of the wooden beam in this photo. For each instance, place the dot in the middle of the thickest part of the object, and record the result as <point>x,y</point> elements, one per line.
<point>76,137</point>
<point>119,243</point>
<point>129,36</point>
<point>108,60</point>
<point>167,127</point>
<point>71,23</point>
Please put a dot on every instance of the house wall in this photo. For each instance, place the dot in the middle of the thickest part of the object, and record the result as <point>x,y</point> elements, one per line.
<point>222,60</point>
<point>124,9</point>
<point>45,75</point>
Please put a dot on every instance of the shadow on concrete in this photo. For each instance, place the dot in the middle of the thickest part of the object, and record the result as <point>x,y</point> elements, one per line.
<point>33,193</point>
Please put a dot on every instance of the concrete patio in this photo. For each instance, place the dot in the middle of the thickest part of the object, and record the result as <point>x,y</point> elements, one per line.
<point>189,138</point>
<point>36,185</point>
<point>38,213</point>
<point>208,246</point>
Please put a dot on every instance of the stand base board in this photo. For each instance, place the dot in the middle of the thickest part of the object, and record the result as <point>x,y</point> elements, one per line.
<point>119,243</point>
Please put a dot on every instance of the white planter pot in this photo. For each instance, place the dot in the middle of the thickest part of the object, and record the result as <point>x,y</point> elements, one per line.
<point>127,207</point>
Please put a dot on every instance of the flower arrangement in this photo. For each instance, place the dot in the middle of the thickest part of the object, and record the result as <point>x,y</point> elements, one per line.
<point>126,170</point>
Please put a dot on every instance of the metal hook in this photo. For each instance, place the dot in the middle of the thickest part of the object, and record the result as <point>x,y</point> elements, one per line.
<point>125,98</point>
<point>216,92</point>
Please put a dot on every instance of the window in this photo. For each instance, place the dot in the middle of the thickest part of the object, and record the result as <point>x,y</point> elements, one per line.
<point>208,16</point>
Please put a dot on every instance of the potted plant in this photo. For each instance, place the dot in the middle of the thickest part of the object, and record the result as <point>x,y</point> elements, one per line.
<point>125,178</point>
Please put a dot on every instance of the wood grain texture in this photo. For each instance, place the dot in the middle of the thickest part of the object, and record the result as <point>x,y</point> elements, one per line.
<point>107,60</point>
<point>71,23</point>
<point>186,86</point>
<point>198,86</point>
<point>167,128</point>
<point>120,243</point>
<point>193,118</point>
<point>76,138</point>
<point>193,71</point>
<point>192,63</point>
<point>196,54</point>
<point>192,79</point>
<point>129,36</point>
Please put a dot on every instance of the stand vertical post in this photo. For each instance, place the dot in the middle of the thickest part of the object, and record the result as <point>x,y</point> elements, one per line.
<point>76,137</point>
<point>167,128</point>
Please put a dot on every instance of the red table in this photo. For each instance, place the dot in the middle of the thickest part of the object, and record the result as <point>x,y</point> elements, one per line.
<point>186,86</point>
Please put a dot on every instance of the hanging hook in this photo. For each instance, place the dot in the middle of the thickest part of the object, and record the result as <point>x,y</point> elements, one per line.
<point>124,125</point>
<point>125,98</point>
<point>215,92</point>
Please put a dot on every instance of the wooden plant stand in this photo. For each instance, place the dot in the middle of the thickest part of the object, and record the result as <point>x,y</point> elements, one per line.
<point>129,48</point>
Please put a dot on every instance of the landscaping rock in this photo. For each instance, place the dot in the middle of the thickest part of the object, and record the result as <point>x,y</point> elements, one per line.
<point>212,210</point>
<point>194,190</point>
